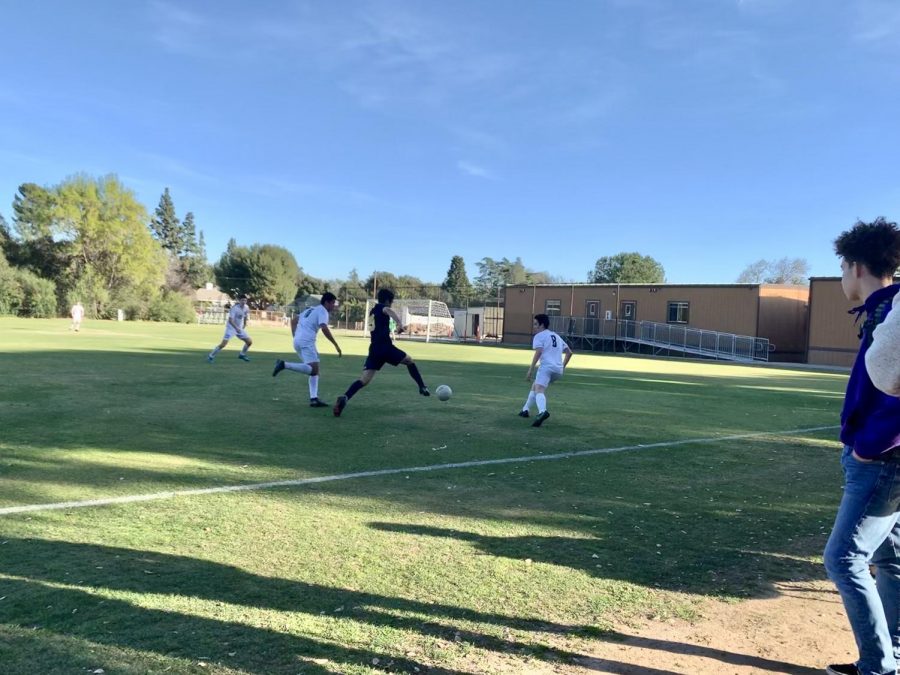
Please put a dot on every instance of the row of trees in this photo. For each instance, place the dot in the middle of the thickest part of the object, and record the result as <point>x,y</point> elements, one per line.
<point>84,239</point>
<point>91,240</point>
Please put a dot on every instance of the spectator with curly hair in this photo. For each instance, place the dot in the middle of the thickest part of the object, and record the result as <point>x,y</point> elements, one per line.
<point>867,526</point>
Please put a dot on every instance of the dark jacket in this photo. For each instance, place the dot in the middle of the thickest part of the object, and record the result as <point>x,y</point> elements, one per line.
<point>870,420</point>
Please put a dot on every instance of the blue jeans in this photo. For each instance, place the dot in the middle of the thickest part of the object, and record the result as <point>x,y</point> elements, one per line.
<point>867,530</point>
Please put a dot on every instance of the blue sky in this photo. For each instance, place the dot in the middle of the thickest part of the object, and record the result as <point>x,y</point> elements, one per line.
<point>394,135</point>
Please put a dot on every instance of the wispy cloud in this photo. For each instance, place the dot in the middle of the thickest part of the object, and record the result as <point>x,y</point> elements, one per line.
<point>173,166</point>
<point>877,22</point>
<point>474,170</point>
<point>181,31</point>
<point>269,186</point>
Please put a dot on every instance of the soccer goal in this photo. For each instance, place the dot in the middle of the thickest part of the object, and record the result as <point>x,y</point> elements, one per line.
<point>425,319</point>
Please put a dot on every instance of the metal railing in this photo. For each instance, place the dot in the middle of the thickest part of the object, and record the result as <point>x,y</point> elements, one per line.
<point>710,343</point>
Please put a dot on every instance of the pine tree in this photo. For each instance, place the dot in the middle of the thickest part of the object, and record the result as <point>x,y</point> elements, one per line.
<point>165,225</point>
<point>190,248</point>
<point>457,282</point>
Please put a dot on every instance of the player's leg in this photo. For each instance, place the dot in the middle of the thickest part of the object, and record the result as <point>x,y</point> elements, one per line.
<point>411,366</point>
<point>308,355</point>
<point>541,382</point>
<point>524,412</point>
<point>247,342</point>
<point>314,401</point>
<point>219,347</point>
<point>352,390</point>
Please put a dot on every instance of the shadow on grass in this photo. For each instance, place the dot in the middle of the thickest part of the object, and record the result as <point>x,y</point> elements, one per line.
<point>33,601</point>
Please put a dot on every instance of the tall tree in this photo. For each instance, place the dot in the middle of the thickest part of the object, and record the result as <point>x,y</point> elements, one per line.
<point>35,245</point>
<point>115,260</point>
<point>194,266</point>
<point>457,282</point>
<point>269,274</point>
<point>627,268</point>
<point>6,238</point>
<point>166,227</point>
<point>754,273</point>
<point>793,271</point>
<point>495,274</point>
<point>352,295</point>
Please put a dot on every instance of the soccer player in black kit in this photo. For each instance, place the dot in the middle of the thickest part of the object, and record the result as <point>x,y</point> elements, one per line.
<point>381,351</point>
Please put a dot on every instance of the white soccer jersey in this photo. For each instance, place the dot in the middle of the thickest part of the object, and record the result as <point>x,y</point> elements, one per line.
<point>308,326</point>
<point>238,315</point>
<point>552,347</point>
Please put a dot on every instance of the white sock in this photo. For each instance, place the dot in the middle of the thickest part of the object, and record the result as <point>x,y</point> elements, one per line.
<point>541,401</point>
<point>298,368</point>
<point>314,386</point>
<point>244,350</point>
<point>529,402</point>
<point>215,351</point>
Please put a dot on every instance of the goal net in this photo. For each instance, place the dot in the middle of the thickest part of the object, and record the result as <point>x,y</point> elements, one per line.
<point>424,319</point>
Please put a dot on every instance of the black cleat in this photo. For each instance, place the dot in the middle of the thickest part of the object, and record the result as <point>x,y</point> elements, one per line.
<point>540,419</point>
<point>339,406</point>
<point>244,357</point>
<point>424,391</point>
<point>524,413</point>
<point>279,366</point>
<point>316,403</point>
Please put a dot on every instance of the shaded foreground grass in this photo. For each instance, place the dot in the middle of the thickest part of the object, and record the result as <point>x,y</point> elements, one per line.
<point>468,570</point>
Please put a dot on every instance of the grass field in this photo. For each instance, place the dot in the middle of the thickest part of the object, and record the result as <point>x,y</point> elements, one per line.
<point>474,569</point>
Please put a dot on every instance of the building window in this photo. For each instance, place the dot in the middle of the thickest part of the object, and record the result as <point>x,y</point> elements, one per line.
<point>679,312</point>
<point>552,307</point>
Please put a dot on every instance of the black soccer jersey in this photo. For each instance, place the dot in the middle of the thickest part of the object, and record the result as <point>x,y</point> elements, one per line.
<point>382,330</point>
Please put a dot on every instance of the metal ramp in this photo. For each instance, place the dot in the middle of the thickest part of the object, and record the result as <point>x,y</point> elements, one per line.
<point>661,338</point>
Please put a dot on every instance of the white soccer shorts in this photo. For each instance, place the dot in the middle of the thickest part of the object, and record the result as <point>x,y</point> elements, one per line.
<point>307,352</point>
<point>230,332</point>
<point>547,375</point>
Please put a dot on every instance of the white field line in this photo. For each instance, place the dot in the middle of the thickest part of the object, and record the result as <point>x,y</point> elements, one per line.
<point>129,499</point>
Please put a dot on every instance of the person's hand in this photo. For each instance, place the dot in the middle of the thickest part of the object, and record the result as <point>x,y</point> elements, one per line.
<point>528,376</point>
<point>400,329</point>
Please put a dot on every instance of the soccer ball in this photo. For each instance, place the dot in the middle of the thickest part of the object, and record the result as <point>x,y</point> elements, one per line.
<point>444,392</point>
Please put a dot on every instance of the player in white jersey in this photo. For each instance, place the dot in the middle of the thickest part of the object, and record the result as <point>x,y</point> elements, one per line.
<point>305,328</point>
<point>549,349</point>
<point>234,327</point>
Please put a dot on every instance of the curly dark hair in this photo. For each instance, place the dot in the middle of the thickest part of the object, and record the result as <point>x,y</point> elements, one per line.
<point>875,245</point>
<point>385,296</point>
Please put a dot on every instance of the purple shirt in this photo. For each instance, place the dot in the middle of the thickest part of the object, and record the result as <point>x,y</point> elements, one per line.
<point>870,420</point>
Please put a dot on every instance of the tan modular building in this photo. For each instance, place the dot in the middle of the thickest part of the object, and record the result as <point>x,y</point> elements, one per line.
<point>833,333</point>
<point>775,312</point>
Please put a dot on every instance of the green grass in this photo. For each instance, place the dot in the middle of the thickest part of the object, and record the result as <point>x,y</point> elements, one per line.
<point>468,570</point>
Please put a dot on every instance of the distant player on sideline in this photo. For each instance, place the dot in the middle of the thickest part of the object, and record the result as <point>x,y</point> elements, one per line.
<point>381,351</point>
<point>234,327</point>
<point>77,316</point>
<point>548,349</point>
<point>305,328</point>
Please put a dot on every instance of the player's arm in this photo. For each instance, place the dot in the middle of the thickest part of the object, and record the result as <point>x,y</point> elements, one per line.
<point>391,313</point>
<point>534,361</point>
<point>233,324</point>
<point>295,320</point>
<point>568,352</point>
<point>326,331</point>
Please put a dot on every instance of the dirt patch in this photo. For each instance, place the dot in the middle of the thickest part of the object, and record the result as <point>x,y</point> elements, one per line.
<point>800,631</point>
